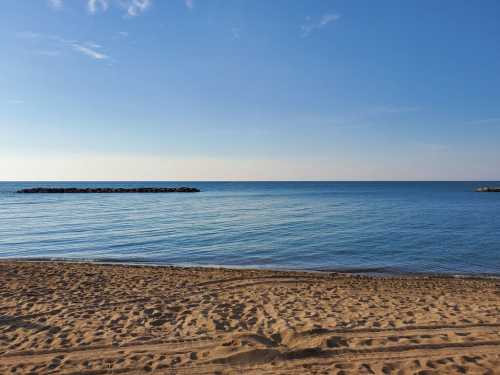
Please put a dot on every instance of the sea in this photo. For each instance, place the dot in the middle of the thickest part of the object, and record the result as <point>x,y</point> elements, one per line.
<point>391,228</point>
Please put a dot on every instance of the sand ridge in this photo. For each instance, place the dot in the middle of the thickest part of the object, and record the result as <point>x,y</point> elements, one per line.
<point>81,318</point>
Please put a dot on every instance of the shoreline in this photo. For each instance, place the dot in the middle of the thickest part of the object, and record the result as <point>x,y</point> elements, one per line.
<point>88,318</point>
<point>368,272</point>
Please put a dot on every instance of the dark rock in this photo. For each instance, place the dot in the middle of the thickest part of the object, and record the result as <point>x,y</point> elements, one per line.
<point>73,190</point>
<point>487,189</point>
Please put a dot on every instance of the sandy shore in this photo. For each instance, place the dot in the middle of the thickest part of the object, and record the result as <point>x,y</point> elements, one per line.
<point>99,319</point>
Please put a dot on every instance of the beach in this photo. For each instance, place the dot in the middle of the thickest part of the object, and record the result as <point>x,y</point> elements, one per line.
<point>85,318</point>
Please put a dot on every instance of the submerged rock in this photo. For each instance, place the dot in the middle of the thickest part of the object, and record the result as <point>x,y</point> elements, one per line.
<point>182,189</point>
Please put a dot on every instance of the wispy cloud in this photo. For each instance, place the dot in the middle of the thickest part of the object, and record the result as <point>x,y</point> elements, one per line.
<point>189,4</point>
<point>135,7</point>
<point>313,25</point>
<point>120,35</point>
<point>132,7</point>
<point>95,5</point>
<point>88,51</point>
<point>54,42</point>
<point>56,4</point>
<point>93,45</point>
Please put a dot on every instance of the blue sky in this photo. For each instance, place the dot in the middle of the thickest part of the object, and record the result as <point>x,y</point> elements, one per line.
<point>257,90</point>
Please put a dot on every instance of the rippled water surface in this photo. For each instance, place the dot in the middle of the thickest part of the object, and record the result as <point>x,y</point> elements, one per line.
<point>380,227</point>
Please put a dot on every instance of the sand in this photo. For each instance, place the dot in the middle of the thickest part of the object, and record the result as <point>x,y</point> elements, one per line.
<point>73,318</point>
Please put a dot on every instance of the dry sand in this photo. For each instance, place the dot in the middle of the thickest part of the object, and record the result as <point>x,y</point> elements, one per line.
<point>107,319</point>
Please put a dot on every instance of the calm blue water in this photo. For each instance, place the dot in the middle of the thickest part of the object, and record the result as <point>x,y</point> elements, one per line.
<point>383,227</point>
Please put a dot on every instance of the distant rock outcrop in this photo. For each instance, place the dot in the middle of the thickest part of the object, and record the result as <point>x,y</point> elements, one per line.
<point>487,189</point>
<point>42,190</point>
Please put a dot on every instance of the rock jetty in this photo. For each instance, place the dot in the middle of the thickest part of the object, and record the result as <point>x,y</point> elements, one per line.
<point>487,189</point>
<point>43,190</point>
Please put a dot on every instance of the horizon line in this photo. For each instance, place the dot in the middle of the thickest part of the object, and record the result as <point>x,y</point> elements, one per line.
<point>243,180</point>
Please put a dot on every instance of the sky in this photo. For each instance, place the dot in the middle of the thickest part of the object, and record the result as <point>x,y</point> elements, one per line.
<point>249,90</point>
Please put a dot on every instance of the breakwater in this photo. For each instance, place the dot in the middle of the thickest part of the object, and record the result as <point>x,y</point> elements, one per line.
<point>43,190</point>
<point>487,189</point>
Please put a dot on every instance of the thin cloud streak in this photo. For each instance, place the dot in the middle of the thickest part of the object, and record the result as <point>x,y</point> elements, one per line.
<point>189,4</point>
<point>89,49</point>
<point>311,26</point>
<point>89,52</point>
<point>93,45</point>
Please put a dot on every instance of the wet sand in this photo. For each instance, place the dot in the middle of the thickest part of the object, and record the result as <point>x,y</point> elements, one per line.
<point>74,318</point>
